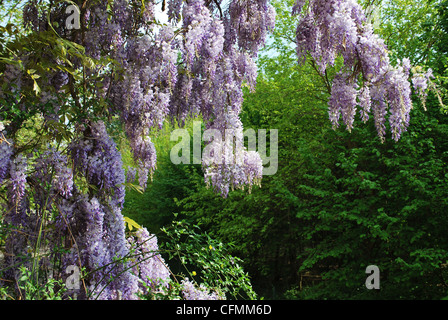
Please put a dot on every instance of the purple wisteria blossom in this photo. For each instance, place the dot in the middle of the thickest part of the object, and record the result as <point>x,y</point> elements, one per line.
<point>6,151</point>
<point>192,292</point>
<point>147,262</point>
<point>328,29</point>
<point>18,175</point>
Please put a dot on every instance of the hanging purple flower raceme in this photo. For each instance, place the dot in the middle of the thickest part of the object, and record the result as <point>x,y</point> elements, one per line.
<point>18,175</point>
<point>98,244</point>
<point>328,29</point>
<point>96,156</point>
<point>219,59</point>
<point>192,292</point>
<point>196,20</point>
<point>420,82</point>
<point>17,254</point>
<point>23,220</point>
<point>96,254</point>
<point>52,170</point>
<point>106,253</point>
<point>174,10</point>
<point>147,262</point>
<point>6,152</point>
<point>398,91</point>
<point>131,174</point>
<point>143,95</point>
<point>227,164</point>
<point>342,101</point>
<point>251,20</point>
<point>364,102</point>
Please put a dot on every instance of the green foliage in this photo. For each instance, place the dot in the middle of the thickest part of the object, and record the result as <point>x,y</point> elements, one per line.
<point>50,290</point>
<point>206,260</point>
<point>408,27</point>
<point>154,208</point>
<point>384,205</point>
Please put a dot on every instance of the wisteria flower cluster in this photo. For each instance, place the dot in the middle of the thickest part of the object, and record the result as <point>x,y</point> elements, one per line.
<point>6,151</point>
<point>328,29</point>
<point>421,81</point>
<point>219,60</point>
<point>147,262</point>
<point>192,292</point>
